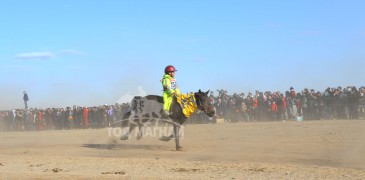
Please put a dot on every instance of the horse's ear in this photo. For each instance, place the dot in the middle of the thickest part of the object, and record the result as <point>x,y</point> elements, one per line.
<point>207,92</point>
<point>200,91</point>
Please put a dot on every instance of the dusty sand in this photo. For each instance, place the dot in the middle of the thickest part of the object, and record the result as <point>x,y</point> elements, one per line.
<point>268,150</point>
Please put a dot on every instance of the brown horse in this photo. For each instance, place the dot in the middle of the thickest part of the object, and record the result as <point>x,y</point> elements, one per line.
<point>151,106</point>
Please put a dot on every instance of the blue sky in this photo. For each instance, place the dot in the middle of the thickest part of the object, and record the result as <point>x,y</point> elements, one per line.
<point>87,53</point>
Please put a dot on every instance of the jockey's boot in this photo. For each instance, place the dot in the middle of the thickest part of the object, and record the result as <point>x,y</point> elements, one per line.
<point>165,114</point>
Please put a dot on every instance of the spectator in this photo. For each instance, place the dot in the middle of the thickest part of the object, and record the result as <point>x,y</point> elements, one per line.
<point>85,117</point>
<point>26,99</point>
<point>70,118</point>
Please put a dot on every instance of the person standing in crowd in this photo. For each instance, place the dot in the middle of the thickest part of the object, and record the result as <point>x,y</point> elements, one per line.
<point>274,111</point>
<point>110,114</point>
<point>327,103</point>
<point>268,103</point>
<point>26,99</point>
<point>292,104</point>
<point>353,97</point>
<point>284,114</point>
<point>70,118</point>
<point>79,117</point>
<point>62,118</point>
<point>361,108</point>
<point>40,120</point>
<point>304,104</point>
<point>337,107</point>
<point>262,106</point>
<point>279,103</point>
<point>85,117</point>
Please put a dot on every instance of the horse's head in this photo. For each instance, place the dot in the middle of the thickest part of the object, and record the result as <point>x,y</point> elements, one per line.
<point>202,100</point>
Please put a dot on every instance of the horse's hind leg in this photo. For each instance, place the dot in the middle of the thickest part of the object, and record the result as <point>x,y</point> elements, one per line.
<point>140,132</point>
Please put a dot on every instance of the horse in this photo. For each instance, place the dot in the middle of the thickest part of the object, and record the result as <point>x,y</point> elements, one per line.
<point>152,105</point>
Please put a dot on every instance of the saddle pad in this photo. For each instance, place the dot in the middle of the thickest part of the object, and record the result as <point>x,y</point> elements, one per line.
<point>187,103</point>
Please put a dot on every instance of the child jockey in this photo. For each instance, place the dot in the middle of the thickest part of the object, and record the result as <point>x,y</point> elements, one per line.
<point>169,88</point>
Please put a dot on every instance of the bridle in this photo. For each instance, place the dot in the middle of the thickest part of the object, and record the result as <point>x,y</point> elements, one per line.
<point>200,105</point>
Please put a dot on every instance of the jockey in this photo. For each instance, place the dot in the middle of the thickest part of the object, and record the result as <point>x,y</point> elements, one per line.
<point>169,88</point>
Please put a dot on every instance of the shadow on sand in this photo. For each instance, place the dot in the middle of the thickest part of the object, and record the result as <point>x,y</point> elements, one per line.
<point>125,146</point>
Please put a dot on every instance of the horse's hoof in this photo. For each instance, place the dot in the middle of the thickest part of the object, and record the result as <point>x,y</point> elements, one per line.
<point>139,137</point>
<point>124,138</point>
<point>179,148</point>
<point>164,138</point>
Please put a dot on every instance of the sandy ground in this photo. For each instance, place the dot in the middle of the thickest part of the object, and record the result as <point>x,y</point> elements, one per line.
<point>268,150</point>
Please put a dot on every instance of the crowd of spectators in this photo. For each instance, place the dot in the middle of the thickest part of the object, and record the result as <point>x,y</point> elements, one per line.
<point>308,104</point>
<point>62,118</point>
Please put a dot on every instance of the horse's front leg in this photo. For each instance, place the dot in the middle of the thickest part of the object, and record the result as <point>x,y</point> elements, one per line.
<point>140,125</point>
<point>126,135</point>
<point>177,137</point>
